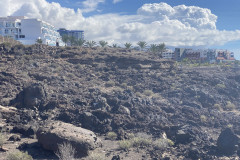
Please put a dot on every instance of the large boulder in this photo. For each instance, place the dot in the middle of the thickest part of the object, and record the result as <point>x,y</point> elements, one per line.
<point>7,112</point>
<point>227,142</point>
<point>56,132</point>
<point>33,95</point>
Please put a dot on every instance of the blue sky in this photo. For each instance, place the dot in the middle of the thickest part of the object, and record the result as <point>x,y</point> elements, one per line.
<point>178,23</point>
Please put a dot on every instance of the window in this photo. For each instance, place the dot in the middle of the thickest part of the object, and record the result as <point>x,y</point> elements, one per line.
<point>21,36</point>
<point>8,24</point>
<point>6,31</point>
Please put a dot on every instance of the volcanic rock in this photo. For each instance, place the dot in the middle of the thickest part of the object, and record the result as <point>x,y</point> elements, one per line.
<point>227,142</point>
<point>56,132</point>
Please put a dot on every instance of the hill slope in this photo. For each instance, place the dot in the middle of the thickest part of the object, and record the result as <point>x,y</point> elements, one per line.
<point>123,91</point>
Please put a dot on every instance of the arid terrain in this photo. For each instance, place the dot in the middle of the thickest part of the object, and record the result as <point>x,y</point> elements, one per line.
<point>138,105</point>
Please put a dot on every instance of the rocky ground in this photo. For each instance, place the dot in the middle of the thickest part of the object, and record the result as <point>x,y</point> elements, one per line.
<point>180,110</point>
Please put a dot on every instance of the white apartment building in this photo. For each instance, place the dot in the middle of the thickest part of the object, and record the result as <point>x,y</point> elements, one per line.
<point>28,30</point>
<point>168,54</point>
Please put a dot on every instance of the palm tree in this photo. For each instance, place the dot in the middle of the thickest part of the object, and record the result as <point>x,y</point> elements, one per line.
<point>161,48</point>
<point>90,43</point>
<point>128,45</point>
<point>153,48</point>
<point>65,38</point>
<point>114,45</point>
<point>80,42</point>
<point>142,44</point>
<point>39,41</point>
<point>103,43</point>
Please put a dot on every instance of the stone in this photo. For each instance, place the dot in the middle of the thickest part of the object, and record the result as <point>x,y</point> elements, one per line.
<point>14,138</point>
<point>116,157</point>
<point>7,112</point>
<point>227,142</point>
<point>25,130</point>
<point>56,132</point>
<point>31,96</point>
<point>183,137</point>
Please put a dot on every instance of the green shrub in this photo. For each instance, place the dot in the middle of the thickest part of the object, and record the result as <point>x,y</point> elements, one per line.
<point>18,155</point>
<point>130,135</point>
<point>203,118</point>
<point>139,141</point>
<point>148,92</point>
<point>125,144</point>
<point>112,135</point>
<point>230,106</point>
<point>124,85</point>
<point>217,106</point>
<point>138,94</point>
<point>222,86</point>
<point>162,143</point>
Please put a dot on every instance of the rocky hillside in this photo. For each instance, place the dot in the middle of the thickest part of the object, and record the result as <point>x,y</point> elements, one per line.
<point>126,92</point>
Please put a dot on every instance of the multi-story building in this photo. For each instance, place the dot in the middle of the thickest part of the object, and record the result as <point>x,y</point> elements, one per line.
<point>11,27</point>
<point>224,55</point>
<point>168,54</point>
<point>204,55</point>
<point>77,34</point>
<point>28,30</point>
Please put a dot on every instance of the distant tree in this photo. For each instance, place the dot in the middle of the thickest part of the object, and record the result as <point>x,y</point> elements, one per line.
<point>80,42</point>
<point>65,38</point>
<point>103,43</point>
<point>153,48</point>
<point>161,48</point>
<point>128,45</point>
<point>142,44</point>
<point>114,45</point>
<point>90,43</point>
<point>39,41</point>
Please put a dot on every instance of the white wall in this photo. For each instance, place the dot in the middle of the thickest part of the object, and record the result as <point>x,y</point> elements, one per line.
<point>31,28</point>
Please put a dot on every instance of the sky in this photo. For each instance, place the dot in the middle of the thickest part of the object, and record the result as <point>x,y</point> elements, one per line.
<point>177,23</point>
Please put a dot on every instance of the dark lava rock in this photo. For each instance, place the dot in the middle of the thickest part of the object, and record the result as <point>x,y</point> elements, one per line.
<point>14,138</point>
<point>227,142</point>
<point>116,157</point>
<point>33,95</point>
<point>183,137</point>
<point>25,130</point>
<point>194,154</point>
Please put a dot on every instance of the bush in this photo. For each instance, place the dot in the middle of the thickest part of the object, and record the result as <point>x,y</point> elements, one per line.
<point>230,106</point>
<point>162,143</point>
<point>147,92</point>
<point>203,118</point>
<point>125,144</point>
<point>18,155</point>
<point>65,151</point>
<point>222,86</point>
<point>112,135</point>
<point>138,94</point>
<point>139,141</point>
<point>217,106</point>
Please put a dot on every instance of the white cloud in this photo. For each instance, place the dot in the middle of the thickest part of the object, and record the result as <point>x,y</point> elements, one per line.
<point>116,1</point>
<point>91,5</point>
<point>154,23</point>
